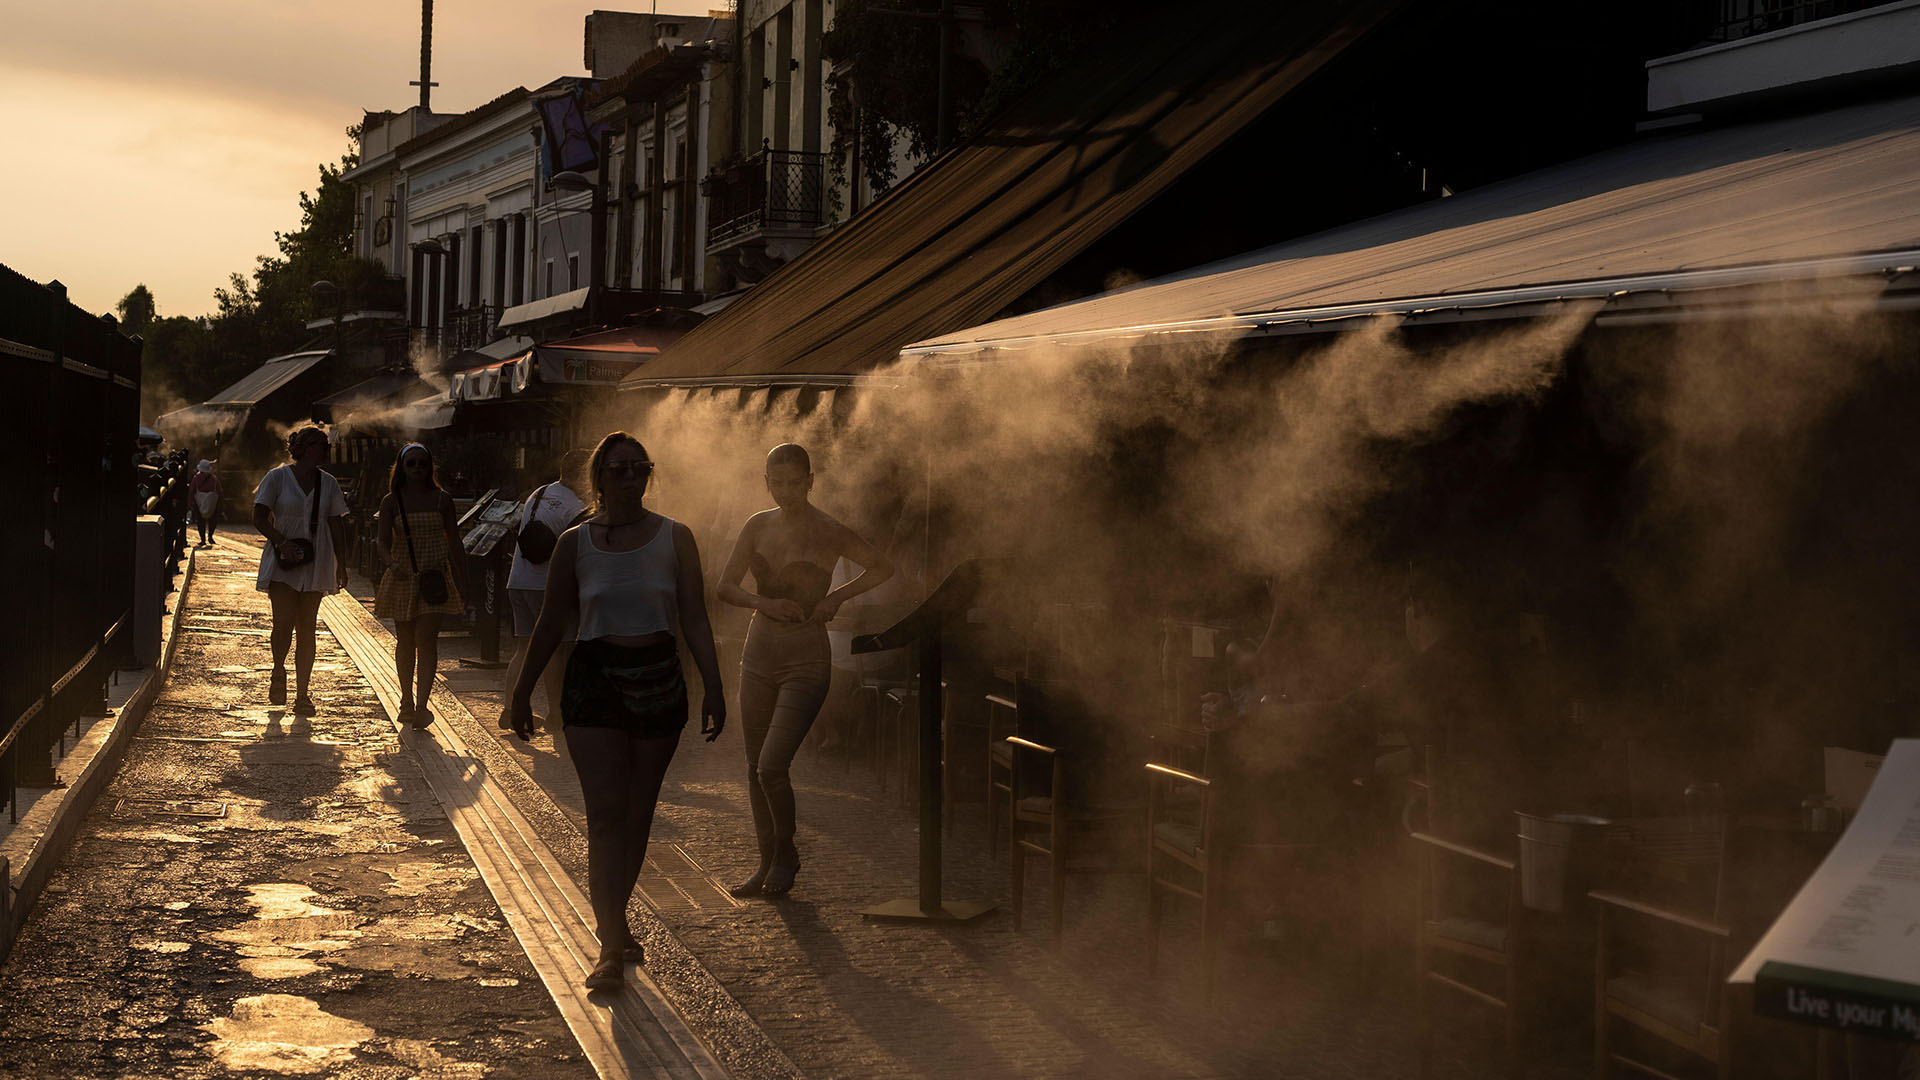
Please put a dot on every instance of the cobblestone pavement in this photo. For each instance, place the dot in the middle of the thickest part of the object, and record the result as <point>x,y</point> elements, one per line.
<point>260,894</point>
<point>848,997</point>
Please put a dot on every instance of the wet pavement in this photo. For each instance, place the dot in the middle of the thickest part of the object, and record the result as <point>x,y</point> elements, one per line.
<point>256,894</point>
<point>261,894</point>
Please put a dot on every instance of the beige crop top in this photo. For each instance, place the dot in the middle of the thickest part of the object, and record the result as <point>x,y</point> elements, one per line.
<point>628,593</point>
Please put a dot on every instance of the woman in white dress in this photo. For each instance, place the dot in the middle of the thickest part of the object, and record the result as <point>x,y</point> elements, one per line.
<point>300,510</point>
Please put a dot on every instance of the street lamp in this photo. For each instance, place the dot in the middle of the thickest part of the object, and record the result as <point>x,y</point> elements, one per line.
<point>596,246</point>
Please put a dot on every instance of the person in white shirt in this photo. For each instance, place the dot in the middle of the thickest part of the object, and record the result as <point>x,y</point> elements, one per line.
<point>633,578</point>
<point>558,507</point>
<point>301,511</point>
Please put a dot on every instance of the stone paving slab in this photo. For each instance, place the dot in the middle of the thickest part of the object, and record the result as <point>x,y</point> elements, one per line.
<point>257,893</point>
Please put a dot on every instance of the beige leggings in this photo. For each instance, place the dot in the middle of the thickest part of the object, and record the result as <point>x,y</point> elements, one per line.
<point>784,671</point>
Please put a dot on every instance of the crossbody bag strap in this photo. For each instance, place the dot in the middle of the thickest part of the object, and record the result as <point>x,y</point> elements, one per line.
<point>407,531</point>
<point>313,516</point>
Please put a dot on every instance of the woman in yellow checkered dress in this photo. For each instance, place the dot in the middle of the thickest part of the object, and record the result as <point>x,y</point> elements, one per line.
<point>418,539</point>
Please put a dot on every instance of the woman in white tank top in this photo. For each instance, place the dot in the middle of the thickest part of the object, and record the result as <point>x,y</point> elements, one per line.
<point>633,578</point>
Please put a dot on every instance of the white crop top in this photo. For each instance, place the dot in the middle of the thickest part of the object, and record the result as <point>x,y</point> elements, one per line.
<point>628,593</point>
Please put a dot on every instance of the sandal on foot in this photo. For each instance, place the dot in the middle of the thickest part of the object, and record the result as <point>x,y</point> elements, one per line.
<point>753,886</point>
<point>607,975</point>
<point>303,706</point>
<point>405,715</point>
<point>780,879</point>
<point>421,719</point>
<point>633,952</point>
<point>277,688</point>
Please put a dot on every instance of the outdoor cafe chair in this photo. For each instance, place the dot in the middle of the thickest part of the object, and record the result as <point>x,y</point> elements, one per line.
<point>1058,810</point>
<point>1003,719</point>
<point>1180,860</point>
<point>1663,972</point>
<point>1467,937</point>
<point>1681,1010</point>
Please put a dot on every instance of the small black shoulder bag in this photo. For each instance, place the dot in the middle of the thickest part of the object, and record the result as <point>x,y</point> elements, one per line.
<point>432,583</point>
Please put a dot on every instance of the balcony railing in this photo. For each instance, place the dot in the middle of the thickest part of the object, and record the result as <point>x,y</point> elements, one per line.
<point>1736,19</point>
<point>470,327</point>
<point>773,189</point>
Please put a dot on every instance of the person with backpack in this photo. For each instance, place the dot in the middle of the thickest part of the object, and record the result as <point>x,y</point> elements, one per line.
<point>552,509</point>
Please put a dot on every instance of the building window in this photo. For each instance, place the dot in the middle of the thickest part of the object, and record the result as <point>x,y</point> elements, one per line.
<point>416,300</point>
<point>473,266</point>
<point>549,290</point>
<point>519,258</point>
<point>450,297</point>
<point>573,272</point>
<point>500,261</point>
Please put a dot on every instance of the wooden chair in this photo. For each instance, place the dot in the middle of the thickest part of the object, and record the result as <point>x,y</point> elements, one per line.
<point>1664,972</point>
<point>1057,811</point>
<point>1682,1010</point>
<point>1179,859</point>
<point>1003,719</point>
<point>1489,939</point>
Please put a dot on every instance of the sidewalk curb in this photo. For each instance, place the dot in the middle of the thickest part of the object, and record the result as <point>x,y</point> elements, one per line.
<point>71,804</point>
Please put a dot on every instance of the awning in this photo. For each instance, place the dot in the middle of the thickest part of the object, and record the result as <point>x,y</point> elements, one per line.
<point>267,378</point>
<point>427,413</point>
<point>382,392</point>
<point>226,411</point>
<point>505,348</point>
<point>996,215</point>
<point>489,382</point>
<point>1810,198</point>
<point>601,359</point>
<point>534,311</point>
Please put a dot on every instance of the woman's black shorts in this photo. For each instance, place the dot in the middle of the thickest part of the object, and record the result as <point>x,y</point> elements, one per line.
<point>638,690</point>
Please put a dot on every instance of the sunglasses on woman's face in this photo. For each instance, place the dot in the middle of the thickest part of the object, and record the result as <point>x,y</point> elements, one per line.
<point>629,468</point>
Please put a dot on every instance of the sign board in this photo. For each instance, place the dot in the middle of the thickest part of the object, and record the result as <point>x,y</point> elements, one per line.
<point>1846,952</point>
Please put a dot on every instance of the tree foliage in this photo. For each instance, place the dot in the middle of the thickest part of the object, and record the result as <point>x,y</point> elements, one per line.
<point>136,310</point>
<point>264,314</point>
<point>890,62</point>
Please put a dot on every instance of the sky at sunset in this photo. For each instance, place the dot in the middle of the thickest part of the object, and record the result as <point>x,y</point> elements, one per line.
<point>172,139</point>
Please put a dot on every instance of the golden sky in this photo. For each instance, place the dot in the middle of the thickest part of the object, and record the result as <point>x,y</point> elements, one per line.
<point>172,138</point>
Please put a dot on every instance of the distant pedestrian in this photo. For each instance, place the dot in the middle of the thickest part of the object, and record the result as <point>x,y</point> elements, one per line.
<point>206,492</point>
<point>633,579</point>
<point>299,567</point>
<point>550,511</point>
<point>785,665</point>
<point>425,578</point>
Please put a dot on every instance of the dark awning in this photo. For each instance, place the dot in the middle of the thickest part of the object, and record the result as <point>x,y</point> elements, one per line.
<point>994,216</point>
<point>1678,218</point>
<point>226,411</point>
<point>603,358</point>
<point>267,378</point>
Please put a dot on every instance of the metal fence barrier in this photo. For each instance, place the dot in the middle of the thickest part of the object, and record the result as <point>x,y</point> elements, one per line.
<point>72,405</point>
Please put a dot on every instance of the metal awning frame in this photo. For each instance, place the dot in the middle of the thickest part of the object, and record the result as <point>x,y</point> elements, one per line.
<point>1881,280</point>
<point>795,381</point>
